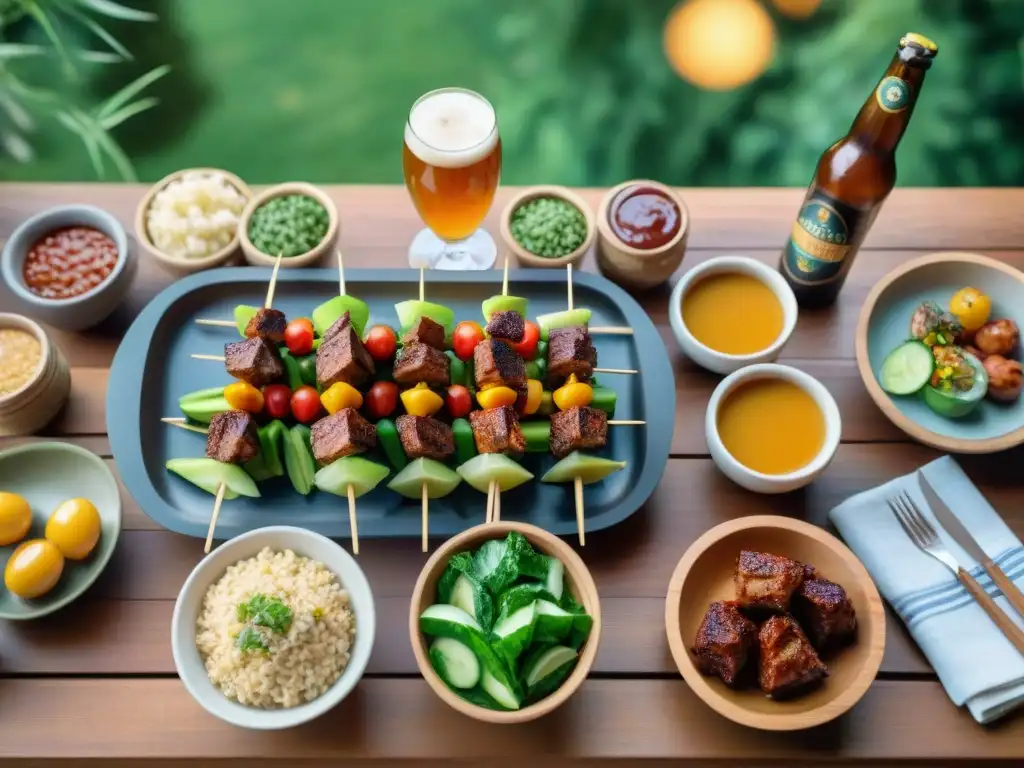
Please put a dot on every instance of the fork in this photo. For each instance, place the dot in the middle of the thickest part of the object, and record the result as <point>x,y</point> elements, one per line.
<point>922,533</point>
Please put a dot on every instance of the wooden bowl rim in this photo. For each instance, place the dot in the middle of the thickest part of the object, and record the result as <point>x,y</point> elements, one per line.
<point>783,721</point>
<point>16,400</point>
<point>547,190</point>
<point>882,399</point>
<point>190,265</point>
<point>576,570</point>
<point>255,256</point>
<point>610,238</point>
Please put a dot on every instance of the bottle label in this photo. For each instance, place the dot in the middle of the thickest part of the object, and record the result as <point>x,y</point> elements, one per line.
<point>821,239</point>
<point>893,94</point>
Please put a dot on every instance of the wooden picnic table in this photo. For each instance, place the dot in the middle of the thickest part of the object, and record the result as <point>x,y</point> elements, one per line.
<point>96,680</point>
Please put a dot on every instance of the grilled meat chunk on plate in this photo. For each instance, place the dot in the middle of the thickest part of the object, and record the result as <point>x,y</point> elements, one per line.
<point>507,325</point>
<point>254,360</point>
<point>343,433</point>
<point>765,583</point>
<point>232,438</point>
<point>268,324</point>
<point>825,612</point>
<point>497,430</point>
<point>570,351</point>
<point>580,427</point>
<point>424,437</point>
<point>725,641</point>
<point>426,331</point>
<point>496,364</point>
<point>788,663</point>
<point>342,356</point>
<point>422,362</point>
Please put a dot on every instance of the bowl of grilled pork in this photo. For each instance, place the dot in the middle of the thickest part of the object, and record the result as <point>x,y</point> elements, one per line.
<point>774,623</point>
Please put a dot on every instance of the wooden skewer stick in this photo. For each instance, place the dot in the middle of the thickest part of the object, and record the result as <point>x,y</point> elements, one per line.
<point>626,422</point>
<point>611,330</point>
<point>352,519</point>
<point>273,283</point>
<point>341,273</point>
<point>422,289</point>
<point>491,487</point>
<point>496,516</point>
<point>175,421</point>
<point>218,323</point>
<point>578,487</point>
<point>504,278</point>
<point>426,510</point>
<point>631,371</point>
<point>213,518</point>
<point>216,358</point>
<point>568,279</point>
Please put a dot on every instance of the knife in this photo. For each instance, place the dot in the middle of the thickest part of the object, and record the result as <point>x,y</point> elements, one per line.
<point>962,536</point>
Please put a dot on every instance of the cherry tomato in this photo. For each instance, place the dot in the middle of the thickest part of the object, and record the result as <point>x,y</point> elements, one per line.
<point>298,336</point>
<point>306,404</point>
<point>467,335</point>
<point>458,401</point>
<point>381,342</point>
<point>277,401</point>
<point>527,348</point>
<point>382,399</point>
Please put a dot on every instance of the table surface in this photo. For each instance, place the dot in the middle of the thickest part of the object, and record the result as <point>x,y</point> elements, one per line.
<point>97,680</point>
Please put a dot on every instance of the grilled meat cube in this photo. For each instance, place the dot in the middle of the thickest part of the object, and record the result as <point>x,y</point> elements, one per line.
<point>342,356</point>
<point>765,583</point>
<point>422,362</point>
<point>577,428</point>
<point>725,640</point>
<point>507,325</point>
<point>495,363</point>
<point>825,612</point>
<point>254,360</point>
<point>570,351</point>
<point>423,437</point>
<point>232,438</point>
<point>342,434</point>
<point>788,663</point>
<point>426,331</point>
<point>810,572</point>
<point>497,430</point>
<point>268,324</point>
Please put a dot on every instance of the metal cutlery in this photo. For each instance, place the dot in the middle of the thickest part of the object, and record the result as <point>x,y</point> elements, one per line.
<point>921,532</point>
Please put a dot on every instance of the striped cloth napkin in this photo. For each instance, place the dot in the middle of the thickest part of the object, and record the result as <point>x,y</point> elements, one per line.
<point>975,662</point>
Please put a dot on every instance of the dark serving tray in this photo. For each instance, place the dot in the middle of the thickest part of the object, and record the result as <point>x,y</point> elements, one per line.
<point>152,369</point>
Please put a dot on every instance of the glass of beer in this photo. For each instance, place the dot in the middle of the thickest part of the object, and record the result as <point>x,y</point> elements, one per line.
<point>451,160</point>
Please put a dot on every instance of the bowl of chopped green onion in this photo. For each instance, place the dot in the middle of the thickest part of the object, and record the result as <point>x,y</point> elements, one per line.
<point>295,220</point>
<point>548,226</point>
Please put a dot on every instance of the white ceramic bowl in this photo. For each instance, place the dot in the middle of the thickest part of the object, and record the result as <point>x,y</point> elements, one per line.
<point>720,362</point>
<point>758,481</point>
<point>186,611</point>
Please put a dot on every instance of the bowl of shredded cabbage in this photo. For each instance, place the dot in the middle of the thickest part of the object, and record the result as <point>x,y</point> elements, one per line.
<point>188,221</point>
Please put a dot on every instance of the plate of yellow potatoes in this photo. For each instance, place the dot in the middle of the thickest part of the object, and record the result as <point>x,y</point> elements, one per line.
<point>60,516</point>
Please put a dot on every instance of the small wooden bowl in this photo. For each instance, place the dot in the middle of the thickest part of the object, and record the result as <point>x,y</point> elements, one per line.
<point>258,258</point>
<point>705,574</point>
<point>524,256</point>
<point>577,580</point>
<point>35,404</point>
<point>640,268</point>
<point>885,322</point>
<point>172,263</point>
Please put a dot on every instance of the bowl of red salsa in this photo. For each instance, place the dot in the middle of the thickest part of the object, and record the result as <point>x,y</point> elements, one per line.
<point>642,227</point>
<point>69,266</point>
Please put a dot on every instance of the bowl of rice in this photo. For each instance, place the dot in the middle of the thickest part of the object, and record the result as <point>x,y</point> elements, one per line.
<point>273,628</point>
<point>188,221</point>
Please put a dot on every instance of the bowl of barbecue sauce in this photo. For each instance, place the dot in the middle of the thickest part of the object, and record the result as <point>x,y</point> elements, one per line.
<point>642,226</point>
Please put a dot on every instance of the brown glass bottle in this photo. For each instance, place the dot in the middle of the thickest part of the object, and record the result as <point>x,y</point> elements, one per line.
<point>853,178</point>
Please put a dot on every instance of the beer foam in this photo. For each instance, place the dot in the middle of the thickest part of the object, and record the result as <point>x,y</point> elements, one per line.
<point>451,129</point>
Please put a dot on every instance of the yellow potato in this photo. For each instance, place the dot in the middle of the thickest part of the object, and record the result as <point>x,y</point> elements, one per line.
<point>15,518</point>
<point>34,568</point>
<point>74,527</point>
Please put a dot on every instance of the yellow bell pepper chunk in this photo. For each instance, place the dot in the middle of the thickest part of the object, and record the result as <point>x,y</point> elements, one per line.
<point>495,397</point>
<point>421,401</point>
<point>573,394</point>
<point>243,396</point>
<point>341,395</point>
<point>534,393</point>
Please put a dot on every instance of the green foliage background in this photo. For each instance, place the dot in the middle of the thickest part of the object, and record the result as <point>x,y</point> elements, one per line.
<point>319,90</point>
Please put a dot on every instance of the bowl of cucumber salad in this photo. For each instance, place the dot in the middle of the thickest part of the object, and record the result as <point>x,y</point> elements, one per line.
<point>505,622</point>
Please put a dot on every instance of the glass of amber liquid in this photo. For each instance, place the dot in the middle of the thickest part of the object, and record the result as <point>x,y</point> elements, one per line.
<point>451,159</point>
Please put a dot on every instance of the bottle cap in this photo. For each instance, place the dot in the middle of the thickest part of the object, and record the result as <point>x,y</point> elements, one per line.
<point>927,46</point>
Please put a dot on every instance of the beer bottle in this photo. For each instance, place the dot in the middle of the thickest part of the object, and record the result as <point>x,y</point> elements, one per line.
<point>853,178</point>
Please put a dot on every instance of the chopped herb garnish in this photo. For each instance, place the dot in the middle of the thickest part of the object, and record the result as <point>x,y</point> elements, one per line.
<point>318,613</point>
<point>250,639</point>
<point>267,612</point>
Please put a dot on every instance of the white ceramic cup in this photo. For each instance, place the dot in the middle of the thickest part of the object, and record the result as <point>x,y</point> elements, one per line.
<point>758,481</point>
<point>720,362</point>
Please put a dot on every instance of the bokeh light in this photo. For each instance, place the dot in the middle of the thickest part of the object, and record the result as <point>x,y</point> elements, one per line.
<point>719,44</point>
<point>797,9</point>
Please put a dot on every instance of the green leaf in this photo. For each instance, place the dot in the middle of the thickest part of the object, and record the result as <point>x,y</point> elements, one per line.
<point>19,50</point>
<point>114,120</point>
<point>458,564</point>
<point>16,146</point>
<point>43,20</point>
<point>264,611</point>
<point>91,24</point>
<point>250,639</point>
<point>116,154</point>
<point>117,11</point>
<point>92,146</point>
<point>130,91</point>
<point>99,57</point>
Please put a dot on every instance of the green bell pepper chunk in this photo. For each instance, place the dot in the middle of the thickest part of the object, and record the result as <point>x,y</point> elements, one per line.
<point>291,369</point>
<point>456,368</point>
<point>298,458</point>
<point>465,443</point>
<point>307,369</point>
<point>390,442</point>
<point>201,394</point>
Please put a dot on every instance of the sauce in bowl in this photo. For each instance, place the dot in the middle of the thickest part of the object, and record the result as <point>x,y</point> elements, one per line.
<point>733,313</point>
<point>69,262</point>
<point>644,217</point>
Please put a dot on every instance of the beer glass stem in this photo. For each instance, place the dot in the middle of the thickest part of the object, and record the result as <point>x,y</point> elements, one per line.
<point>478,251</point>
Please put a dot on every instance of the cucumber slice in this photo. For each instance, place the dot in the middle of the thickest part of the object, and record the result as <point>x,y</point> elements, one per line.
<point>439,479</point>
<point>521,595</point>
<point>555,581</point>
<point>553,624</point>
<point>327,314</point>
<point>465,443</point>
<point>586,466</point>
<point>362,474</point>
<point>204,410</point>
<point>480,470</point>
<point>907,368</point>
<point>391,443</point>
<point>604,400</point>
<point>537,435</point>
<point>562,319</point>
<point>512,634</point>
<point>547,670</point>
<point>458,564</point>
<point>412,310</point>
<point>211,393</point>
<point>470,595</point>
<point>243,314</point>
<point>209,474</point>
<point>955,404</point>
<point>455,663</point>
<point>443,620</point>
<point>504,304</point>
<point>499,690</point>
<point>479,697</point>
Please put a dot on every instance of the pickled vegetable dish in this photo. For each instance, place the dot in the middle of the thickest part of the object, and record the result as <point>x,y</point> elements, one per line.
<point>549,227</point>
<point>290,225</point>
<point>69,262</point>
